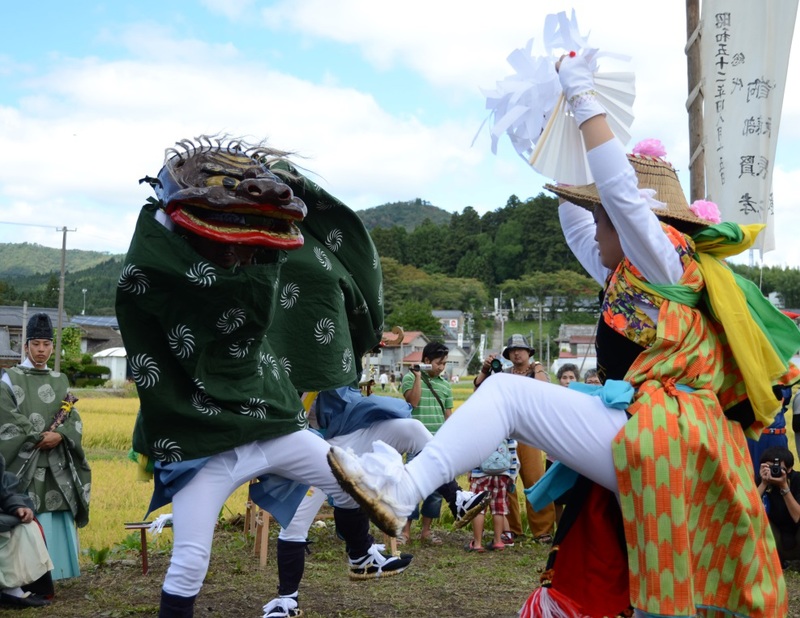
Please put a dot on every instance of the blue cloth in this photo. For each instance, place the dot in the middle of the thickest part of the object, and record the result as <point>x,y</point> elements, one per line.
<point>559,478</point>
<point>344,410</point>
<point>767,440</point>
<point>61,537</point>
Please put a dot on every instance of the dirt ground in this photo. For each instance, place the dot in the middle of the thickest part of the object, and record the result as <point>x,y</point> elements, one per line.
<point>442,582</point>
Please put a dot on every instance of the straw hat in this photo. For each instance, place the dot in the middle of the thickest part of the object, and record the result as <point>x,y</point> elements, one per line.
<point>653,173</point>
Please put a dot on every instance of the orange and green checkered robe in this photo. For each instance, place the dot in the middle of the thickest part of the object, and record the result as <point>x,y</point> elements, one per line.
<point>697,534</point>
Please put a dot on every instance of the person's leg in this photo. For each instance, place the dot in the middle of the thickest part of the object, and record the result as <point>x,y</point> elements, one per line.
<point>195,509</point>
<point>531,470</point>
<point>572,427</point>
<point>477,533</point>
<point>431,509</point>
<point>405,435</point>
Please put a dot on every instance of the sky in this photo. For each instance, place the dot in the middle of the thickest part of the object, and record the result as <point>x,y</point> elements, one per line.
<point>381,101</point>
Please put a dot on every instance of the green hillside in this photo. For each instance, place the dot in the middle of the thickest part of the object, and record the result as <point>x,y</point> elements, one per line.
<point>22,259</point>
<point>405,214</point>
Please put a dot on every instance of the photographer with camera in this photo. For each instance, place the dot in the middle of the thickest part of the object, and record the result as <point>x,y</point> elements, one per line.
<point>531,464</point>
<point>779,488</point>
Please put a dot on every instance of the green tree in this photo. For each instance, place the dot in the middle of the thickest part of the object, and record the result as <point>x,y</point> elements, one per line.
<point>416,315</point>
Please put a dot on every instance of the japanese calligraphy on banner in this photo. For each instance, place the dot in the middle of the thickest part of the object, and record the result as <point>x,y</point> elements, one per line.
<point>745,55</point>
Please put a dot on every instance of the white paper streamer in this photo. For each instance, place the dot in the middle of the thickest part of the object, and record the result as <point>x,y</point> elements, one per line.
<point>529,107</point>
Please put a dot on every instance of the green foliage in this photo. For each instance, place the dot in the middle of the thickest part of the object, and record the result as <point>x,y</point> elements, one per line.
<point>24,259</point>
<point>99,557</point>
<point>416,315</point>
<point>407,215</point>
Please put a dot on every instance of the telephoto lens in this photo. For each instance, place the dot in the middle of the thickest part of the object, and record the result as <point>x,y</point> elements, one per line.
<point>497,365</point>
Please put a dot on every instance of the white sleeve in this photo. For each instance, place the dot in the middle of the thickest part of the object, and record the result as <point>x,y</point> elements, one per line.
<point>640,234</point>
<point>578,226</point>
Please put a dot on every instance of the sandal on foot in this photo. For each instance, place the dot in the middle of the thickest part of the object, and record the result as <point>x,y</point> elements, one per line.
<point>495,546</point>
<point>471,547</point>
<point>543,539</point>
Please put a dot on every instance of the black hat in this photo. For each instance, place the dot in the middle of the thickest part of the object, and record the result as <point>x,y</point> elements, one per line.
<point>39,327</point>
<point>517,342</point>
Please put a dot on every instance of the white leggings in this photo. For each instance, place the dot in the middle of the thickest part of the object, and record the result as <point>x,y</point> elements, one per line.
<point>299,456</point>
<point>571,427</point>
<point>404,434</point>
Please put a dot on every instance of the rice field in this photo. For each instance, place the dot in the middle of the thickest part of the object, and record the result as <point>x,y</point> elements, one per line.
<point>118,496</point>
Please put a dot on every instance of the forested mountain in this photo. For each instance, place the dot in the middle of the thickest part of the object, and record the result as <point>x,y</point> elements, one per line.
<point>461,262</point>
<point>407,215</point>
<point>31,259</point>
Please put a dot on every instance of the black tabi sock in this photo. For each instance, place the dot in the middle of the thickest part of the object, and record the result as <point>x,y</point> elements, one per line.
<point>173,606</point>
<point>291,565</point>
<point>353,526</point>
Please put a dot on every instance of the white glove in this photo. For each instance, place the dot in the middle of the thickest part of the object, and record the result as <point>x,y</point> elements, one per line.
<point>577,83</point>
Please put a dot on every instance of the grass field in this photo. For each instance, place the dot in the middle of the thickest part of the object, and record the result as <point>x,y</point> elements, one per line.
<point>444,581</point>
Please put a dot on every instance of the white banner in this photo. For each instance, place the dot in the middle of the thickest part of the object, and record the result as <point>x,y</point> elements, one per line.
<point>745,55</point>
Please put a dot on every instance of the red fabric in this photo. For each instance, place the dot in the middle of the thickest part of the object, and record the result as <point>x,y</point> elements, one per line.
<point>591,565</point>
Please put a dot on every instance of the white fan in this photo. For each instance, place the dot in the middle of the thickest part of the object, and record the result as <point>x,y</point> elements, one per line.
<point>559,153</point>
<point>530,108</point>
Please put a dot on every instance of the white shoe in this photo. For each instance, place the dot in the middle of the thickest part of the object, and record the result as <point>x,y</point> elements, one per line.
<point>283,607</point>
<point>379,483</point>
<point>468,506</point>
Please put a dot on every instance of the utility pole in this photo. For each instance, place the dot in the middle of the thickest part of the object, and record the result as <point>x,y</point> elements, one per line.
<point>57,361</point>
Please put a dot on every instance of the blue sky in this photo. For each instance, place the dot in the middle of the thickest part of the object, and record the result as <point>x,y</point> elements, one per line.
<point>381,99</point>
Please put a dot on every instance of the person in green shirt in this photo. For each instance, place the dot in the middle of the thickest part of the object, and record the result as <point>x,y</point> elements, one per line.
<point>431,399</point>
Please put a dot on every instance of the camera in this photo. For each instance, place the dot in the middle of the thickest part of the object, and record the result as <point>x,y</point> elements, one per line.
<point>776,470</point>
<point>496,366</point>
<point>422,367</point>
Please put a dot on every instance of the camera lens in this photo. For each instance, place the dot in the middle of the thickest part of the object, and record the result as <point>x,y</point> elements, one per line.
<point>497,365</point>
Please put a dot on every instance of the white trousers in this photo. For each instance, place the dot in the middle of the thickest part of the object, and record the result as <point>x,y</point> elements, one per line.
<point>404,434</point>
<point>299,456</point>
<point>571,427</point>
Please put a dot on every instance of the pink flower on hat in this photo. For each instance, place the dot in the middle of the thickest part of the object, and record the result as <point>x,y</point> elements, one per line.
<point>650,148</point>
<point>706,210</point>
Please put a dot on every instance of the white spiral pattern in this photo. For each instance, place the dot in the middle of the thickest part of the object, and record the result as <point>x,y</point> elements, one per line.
<point>145,371</point>
<point>324,331</point>
<point>240,348</point>
<point>37,503</point>
<point>273,366</point>
<point>323,258</point>
<point>287,365</point>
<point>334,240</point>
<point>289,295</point>
<point>204,404</point>
<point>254,407</point>
<point>302,419</point>
<point>380,294</point>
<point>375,259</point>
<point>347,360</point>
<point>167,450</point>
<point>361,309</point>
<point>202,274</point>
<point>199,384</point>
<point>133,280</point>
<point>79,427</point>
<point>181,341</point>
<point>231,320</point>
